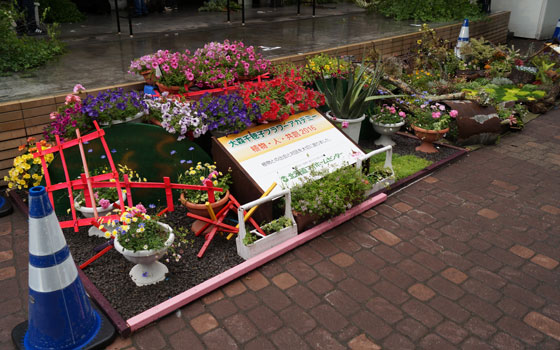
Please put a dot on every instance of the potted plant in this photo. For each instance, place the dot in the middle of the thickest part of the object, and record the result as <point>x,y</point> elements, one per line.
<point>27,171</point>
<point>386,121</point>
<point>430,123</point>
<point>247,61</point>
<point>214,65</point>
<point>227,114</point>
<point>114,106</point>
<point>348,99</point>
<point>68,118</point>
<point>180,117</point>
<point>327,66</point>
<point>251,244</point>
<point>143,240</point>
<point>174,71</point>
<point>328,196</point>
<point>379,176</point>
<point>195,200</point>
<point>280,97</point>
<point>106,197</point>
<point>143,66</point>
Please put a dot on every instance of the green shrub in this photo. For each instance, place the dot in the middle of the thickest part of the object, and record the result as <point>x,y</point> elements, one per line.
<point>428,10</point>
<point>403,166</point>
<point>23,53</point>
<point>61,11</point>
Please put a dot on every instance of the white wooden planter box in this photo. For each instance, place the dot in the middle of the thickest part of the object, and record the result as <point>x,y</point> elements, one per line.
<point>265,242</point>
<point>379,185</point>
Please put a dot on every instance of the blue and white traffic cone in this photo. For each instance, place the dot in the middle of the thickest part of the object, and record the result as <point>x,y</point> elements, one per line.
<point>60,313</point>
<point>463,38</point>
<point>556,35</point>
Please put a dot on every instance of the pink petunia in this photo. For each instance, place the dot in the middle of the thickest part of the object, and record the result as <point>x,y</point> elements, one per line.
<point>441,107</point>
<point>453,113</point>
<point>78,88</point>
<point>402,114</point>
<point>436,115</point>
<point>344,125</point>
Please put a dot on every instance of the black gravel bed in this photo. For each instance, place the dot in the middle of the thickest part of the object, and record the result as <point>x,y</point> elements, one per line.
<point>110,272</point>
<point>406,145</point>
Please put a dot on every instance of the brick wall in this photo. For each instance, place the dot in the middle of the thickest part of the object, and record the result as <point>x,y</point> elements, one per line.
<point>25,118</point>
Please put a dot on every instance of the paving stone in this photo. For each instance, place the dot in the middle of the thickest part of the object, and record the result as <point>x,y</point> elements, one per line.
<point>412,328</point>
<point>433,341</point>
<point>171,324</point>
<point>361,272</point>
<point>342,302</point>
<point>246,301</point>
<point>430,179</point>
<point>320,285</point>
<point>481,290</point>
<point>390,292</point>
<point>480,307</point>
<point>538,259</point>
<point>204,323</point>
<point>384,309</point>
<point>544,324</point>
<point>362,342</point>
<point>520,330</point>
<point>324,247</point>
<point>488,213</point>
<point>402,207</point>
<point>223,309</point>
<point>541,273</point>
<point>330,271</point>
<point>551,209</point>
<point>371,324</point>
<point>255,281</point>
<point>345,243</point>
<point>369,213</point>
<point>449,309</point>
<point>286,338</point>
<point>453,244</point>
<point>307,254</point>
<point>397,341</point>
<point>427,244</point>
<point>429,261</point>
<point>445,288</point>
<point>518,277</point>
<point>274,298</point>
<point>523,296</point>
<point>284,280</point>
<point>303,296</point>
<point>512,307</point>
<point>301,271</point>
<point>234,288</point>
<point>504,341</point>
<point>6,255</point>
<point>489,278</point>
<point>185,338</point>
<point>385,236</point>
<point>120,343</point>
<point>414,269</point>
<point>241,328</point>
<point>454,275</point>
<point>298,319</point>
<point>264,319</point>
<point>423,313</point>
<point>219,339</point>
<point>388,254</point>
<point>192,310</point>
<point>475,344</point>
<point>150,338</point>
<point>260,343</point>
<point>452,332</point>
<point>397,277</point>
<point>369,259</point>
<point>522,251</point>
<point>321,339</point>
<point>388,211</point>
<point>7,272</point>
<point>342,260</point>
<point>421,292</point>
<point>213,297</point>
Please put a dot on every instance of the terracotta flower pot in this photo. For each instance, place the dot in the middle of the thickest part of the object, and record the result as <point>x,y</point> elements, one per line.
<point>428,137</point>
<point>148,76</point>
<point>305,221</point>
<point>200,209</point>
<point>173,90</point>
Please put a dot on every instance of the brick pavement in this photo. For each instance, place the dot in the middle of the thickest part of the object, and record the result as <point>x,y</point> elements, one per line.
<point>467,258</point>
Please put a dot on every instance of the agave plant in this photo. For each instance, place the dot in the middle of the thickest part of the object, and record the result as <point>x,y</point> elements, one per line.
<point>348,99</point>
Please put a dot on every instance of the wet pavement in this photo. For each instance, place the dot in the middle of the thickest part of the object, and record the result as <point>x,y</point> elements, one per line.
<point>466,258</point>
<point>96,56</point>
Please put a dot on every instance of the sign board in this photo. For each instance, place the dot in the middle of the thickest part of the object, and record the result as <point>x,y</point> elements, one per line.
<point>285,152</point>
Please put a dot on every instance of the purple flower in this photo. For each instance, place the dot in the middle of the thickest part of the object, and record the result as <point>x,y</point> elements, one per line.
<point>113,151</point>
<point>172,152</point>
<point>90,150</point>
<point>103,156</point>
<point>182,161</point>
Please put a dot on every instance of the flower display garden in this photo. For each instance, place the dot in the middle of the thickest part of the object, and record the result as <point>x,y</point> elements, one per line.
<point>227,91</point>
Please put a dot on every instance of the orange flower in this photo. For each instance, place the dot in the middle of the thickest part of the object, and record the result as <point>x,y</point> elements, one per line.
<point>22,147</point>
<point>30,139</point>
<point>487,66</point>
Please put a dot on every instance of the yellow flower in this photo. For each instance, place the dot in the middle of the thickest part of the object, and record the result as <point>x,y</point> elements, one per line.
<point>419,41</point>
<point>107,234</point>
<point>215,183</point>
<point>125,227</point>
<point>202,178</point>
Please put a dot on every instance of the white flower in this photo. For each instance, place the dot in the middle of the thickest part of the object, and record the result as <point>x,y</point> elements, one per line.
<point>145,246</point>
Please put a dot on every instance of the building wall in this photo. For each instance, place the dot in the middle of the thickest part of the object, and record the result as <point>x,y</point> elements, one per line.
<point>22,119</point>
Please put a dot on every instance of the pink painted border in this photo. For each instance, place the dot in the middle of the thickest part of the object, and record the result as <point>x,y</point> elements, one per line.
<point>206,287</point>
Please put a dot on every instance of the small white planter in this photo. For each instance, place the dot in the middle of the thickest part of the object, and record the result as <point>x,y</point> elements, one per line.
<point>385,130</point>
<point>148,270</point>
<point>265,242</point>
<point>87,212</point>
<point>132,119</point>
<point>353,128</point>
<point>385,182</point>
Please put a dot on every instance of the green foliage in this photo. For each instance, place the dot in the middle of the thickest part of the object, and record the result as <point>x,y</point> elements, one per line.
<point>61,11</point>
<point>504,93</point>
<point>184,239</point>
<point>428,10</point>
<point>196,176</point>
<point>23,53</point>
<point>348,98</point>
<point>219,6</point>
<point>331,194</point>
<point>268,228</point>
<point>403,166</point>
<point>143,234</point>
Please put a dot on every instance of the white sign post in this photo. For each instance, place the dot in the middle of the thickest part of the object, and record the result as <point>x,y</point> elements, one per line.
<point>286,151</point>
